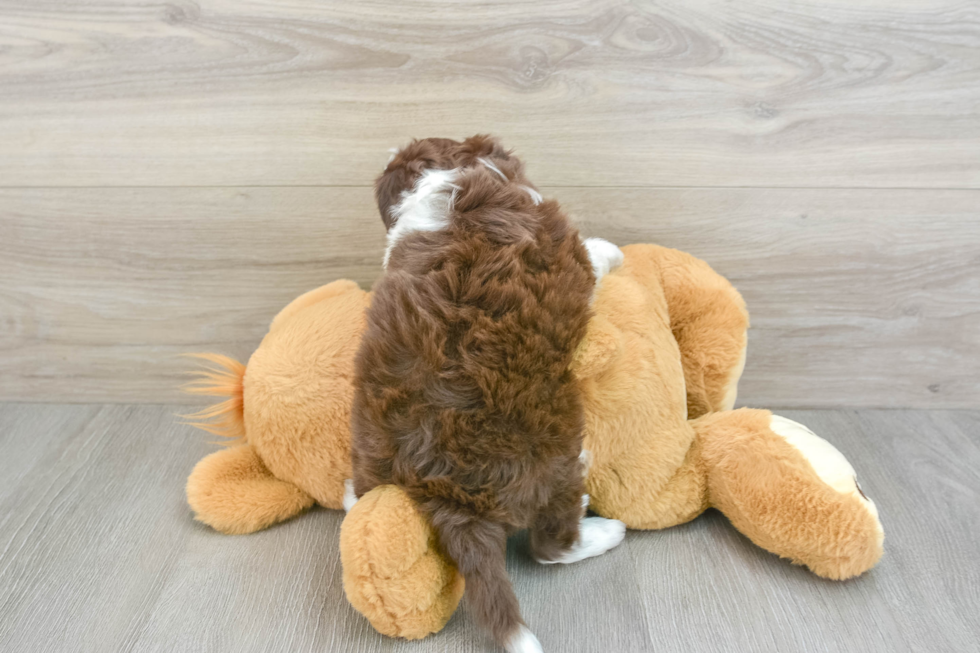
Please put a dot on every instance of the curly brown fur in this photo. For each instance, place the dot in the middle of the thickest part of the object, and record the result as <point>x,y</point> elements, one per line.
<point>408,163</point>
<point>463,394</point>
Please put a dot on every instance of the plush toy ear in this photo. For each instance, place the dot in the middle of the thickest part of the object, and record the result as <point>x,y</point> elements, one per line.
<point>602,344</point>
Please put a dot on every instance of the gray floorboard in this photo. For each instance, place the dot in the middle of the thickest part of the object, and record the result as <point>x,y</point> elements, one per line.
<point>98,552</point>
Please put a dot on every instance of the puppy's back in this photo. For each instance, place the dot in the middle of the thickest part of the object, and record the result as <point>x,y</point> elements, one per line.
<point>465,362</point>
<point>463,391</point>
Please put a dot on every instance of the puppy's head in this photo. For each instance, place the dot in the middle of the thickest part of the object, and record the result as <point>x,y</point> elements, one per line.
<point>407,165</point>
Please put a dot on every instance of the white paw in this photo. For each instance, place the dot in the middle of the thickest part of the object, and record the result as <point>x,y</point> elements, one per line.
<point>605,256</point>
<point>585,502</point>
<point>596,536</point>
<point>349,497</point>
<point>523,641</point>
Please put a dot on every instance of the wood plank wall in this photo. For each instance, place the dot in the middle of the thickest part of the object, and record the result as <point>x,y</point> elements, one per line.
<point>172,174</point>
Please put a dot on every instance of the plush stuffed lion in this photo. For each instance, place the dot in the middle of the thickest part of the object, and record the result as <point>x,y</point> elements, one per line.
<point>658,369</point>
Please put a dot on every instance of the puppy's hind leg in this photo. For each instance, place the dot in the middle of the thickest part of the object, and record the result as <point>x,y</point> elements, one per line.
<point>596,536</point>
<point>562,534</point>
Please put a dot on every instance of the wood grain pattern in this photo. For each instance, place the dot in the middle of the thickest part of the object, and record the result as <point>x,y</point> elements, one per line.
<point>105,288</point>
<point>607,93</point>
<point>858,297</point>
<point>98,552</point>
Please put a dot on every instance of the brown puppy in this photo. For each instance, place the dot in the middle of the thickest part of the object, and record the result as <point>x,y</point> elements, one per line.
<point>463,394</point>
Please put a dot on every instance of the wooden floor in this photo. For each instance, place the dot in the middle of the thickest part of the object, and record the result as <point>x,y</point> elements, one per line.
<point>98,552</point>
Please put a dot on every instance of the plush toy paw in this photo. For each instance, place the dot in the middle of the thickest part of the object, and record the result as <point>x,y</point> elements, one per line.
<point>393,573</point>
<point>855,543</point>
<point>829,463</point>
<point>233,492</point>
<point>790,491</point>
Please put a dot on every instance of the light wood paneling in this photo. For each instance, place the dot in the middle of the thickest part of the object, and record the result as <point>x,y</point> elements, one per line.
<point>104,288</point>
<point>592,93</point>
<point>857,297</point>
<point>172,174</point>
<point>99,552</point>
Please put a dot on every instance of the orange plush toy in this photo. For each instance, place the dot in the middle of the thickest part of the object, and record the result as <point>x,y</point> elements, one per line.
<point>658,367</point>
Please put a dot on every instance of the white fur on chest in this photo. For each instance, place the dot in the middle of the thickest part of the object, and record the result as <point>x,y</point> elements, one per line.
<point>426,208</point>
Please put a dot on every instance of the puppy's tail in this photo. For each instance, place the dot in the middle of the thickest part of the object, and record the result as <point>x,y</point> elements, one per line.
<point>478,547</point>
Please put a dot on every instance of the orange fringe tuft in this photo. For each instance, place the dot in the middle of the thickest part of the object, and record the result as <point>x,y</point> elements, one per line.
<point>222,378</point>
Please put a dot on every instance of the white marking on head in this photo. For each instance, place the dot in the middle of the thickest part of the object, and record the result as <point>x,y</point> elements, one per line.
<point>491,166</point>
<point>535,195</point>
<point>393,151</point>
<point>425,208</point>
